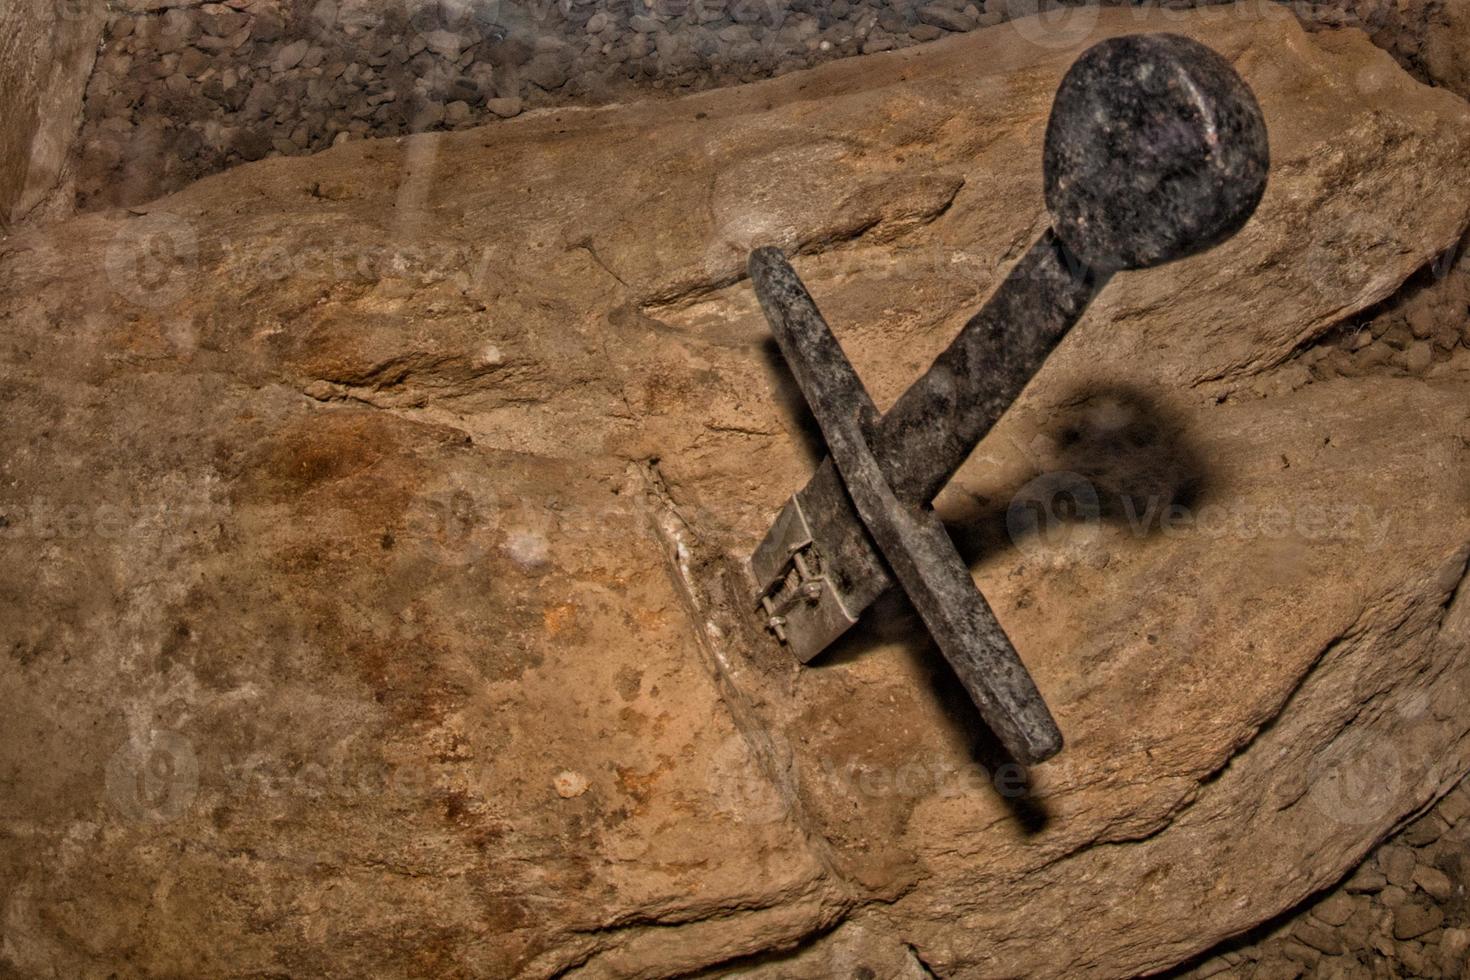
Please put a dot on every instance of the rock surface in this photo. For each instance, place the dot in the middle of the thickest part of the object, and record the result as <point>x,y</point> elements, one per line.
<point>373,602</point>
<point>1351,932</point>
<point>46,54</point>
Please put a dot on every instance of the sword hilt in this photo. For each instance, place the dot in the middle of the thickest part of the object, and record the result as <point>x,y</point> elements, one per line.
<point>1155,149</point>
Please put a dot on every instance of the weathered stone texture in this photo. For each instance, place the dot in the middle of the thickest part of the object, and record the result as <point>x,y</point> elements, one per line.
<point>437,660</point>
<point>46,54</point>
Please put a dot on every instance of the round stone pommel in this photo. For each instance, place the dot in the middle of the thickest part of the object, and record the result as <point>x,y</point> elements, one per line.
<point>1155,149</point>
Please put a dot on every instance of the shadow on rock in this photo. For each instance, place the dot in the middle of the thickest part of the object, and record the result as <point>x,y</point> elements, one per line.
<point>1113,456</point>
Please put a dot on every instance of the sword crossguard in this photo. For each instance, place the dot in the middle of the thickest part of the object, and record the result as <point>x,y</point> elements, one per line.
<point>1155,149</point>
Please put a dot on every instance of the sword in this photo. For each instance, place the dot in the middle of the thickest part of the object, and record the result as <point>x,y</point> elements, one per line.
<point>1155,149</point>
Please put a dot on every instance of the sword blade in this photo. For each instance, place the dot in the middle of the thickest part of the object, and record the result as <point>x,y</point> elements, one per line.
<point>915,544</point>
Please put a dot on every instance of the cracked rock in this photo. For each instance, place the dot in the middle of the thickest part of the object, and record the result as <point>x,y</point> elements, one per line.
<point>347,593</point>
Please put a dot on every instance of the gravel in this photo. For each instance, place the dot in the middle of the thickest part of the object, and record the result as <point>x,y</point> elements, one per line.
<point>294,76</point>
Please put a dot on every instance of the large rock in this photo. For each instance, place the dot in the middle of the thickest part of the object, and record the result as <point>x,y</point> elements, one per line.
<point>373,602</point>
<point>46,54</point>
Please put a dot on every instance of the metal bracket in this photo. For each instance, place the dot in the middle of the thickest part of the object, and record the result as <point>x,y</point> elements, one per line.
<point>803,606</point>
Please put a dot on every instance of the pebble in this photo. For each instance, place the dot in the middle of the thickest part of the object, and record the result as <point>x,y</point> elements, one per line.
<point>1397,864</point>
<point>1393,896</point>
<point>1282,969</point>
<point>946,18</point>
<point>504,108</point>
<point>1455,806</point>
<point>1434,882</point>
<point>1414,919</point>
<point>1422,321</point>
<point>456,113</point>
<point>1335,909</point>
<point>1303,954</point>
<point>1368,878</point>
<point>1318,937</point>
<point>1412,956</point>
<point>1418,357</point>
<point>290,56</point>
<point>267,27</point>
<point>445,44</point>
<point>569,784</point>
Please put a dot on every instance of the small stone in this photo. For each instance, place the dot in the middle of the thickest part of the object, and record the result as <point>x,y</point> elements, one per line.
<point>1434,882</point>
<point>1447,337</point>
<point>925,32</point>
<point>456,113</point>
<point>1393,896</point>
<point>1335,909</point>
<point>597,22</point>
<point>193,62</point>
<point>1398,335</point>
<point>290,56</point>
<point>267,27</point>
<point>1373,355</point>
<point>1417,360</point>
<point>643,24</point>
<point>446,44</point>
<point>1455,806</point>
<point>325,14</point>
<point>1278,969</point>
<point>945,18</point>
<point>429,116</point>
<point>1300,953</point>
<point>252,144</point>
<point>1414,919</point>
<point>1428,827</point>
<point>1318,937</point>
<point>570,784</point>
<point>1411,955</point>
<point>1367,879</point>
<point>504,108</point>
<point>1422,321</point>
<point>1454,944</point>
<point>220,21</point>
<point>1360,926</point>
<point>547,71</point>
<point>1397,863</point>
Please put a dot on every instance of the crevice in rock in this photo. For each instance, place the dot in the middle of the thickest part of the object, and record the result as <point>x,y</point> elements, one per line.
<point>586,245</point>
<point>682,554</point>
<point>920,963</point>
<point>1422,322</point>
